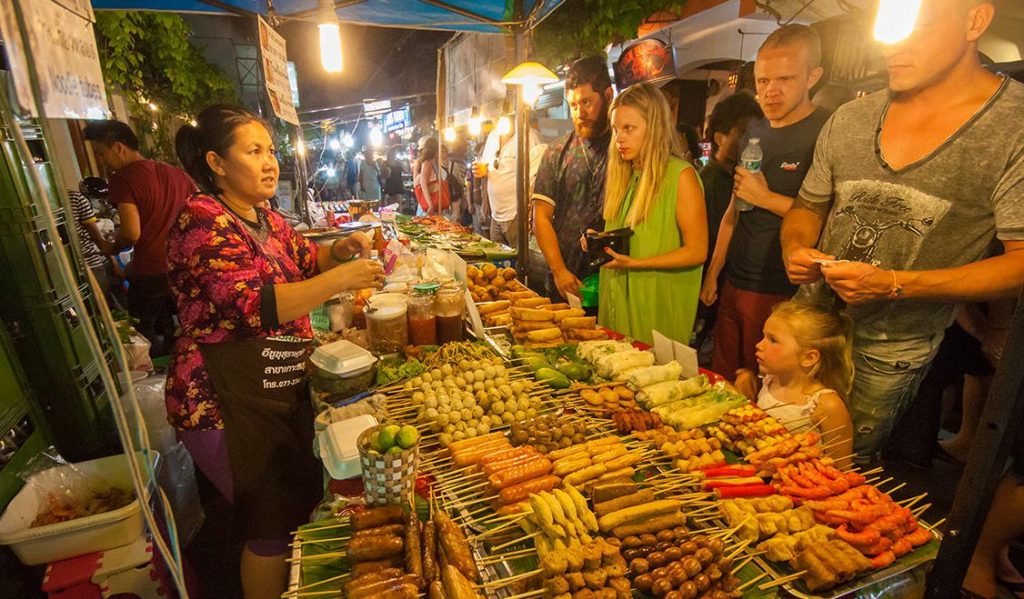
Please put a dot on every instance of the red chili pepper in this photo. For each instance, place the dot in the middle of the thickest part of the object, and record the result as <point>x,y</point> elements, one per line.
<point>745,491</point>
<point>733,470</point>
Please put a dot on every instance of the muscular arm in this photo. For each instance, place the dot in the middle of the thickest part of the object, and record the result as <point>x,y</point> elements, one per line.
<point>802,224</point>
<point>130,228</point>
<point>692,220</point>
<point>990,279</point>
<point>547,239</point>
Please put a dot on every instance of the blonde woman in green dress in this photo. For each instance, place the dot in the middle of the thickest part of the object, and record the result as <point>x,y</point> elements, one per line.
<point>659,196</point>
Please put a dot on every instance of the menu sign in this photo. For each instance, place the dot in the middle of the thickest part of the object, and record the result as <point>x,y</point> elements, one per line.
<point>62,47</point>
<point>275,72</point>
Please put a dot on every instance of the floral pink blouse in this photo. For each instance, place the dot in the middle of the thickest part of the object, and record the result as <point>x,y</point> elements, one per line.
<point>217,269</point>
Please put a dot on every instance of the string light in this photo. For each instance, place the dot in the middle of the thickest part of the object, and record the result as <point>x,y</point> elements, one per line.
<point>896,20</point>
<point>449,131</point>
<point>334,144</point>
<point>348,141</point>
<point>475,122</point>
<point>300,148</point>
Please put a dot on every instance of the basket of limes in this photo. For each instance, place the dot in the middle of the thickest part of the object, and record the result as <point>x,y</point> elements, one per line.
<point>388,455</point>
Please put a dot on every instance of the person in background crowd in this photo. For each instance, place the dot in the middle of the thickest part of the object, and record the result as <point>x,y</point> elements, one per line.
<point>393,170</point>
<point>148,195</point>
<point>909,189</point>
<point>726,127</point>
<point>747,247</point>
<point>477,202</point>
<point>657,195</point>
<point>497,164</point>
<point>236,390</point>
<point>431,180</point>
<point>568,194</point>
<point>351,175</point>
<point>95,247</point>
<point>369,176</point>
<point>690,139</point>
<point>806,361</point>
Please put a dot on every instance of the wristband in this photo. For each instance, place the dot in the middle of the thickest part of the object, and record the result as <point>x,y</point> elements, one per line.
<point>897,290</point>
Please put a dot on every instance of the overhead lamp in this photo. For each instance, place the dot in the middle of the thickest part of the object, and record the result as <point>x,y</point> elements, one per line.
<point>330,36</point>
<point>530,76</point>
<point>504,125</point>
<point>334,144</point>
<point>300,148</point>
<point>896,20</point>
<point>475,122</point>
<point>348,140</point>
<point>376,136</point>
<point>153,107</point>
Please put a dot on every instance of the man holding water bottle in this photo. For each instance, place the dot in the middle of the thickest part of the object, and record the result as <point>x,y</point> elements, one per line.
<point>777,153</point>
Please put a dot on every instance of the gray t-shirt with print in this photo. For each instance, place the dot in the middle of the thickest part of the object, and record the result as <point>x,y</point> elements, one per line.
<point>940,212</point>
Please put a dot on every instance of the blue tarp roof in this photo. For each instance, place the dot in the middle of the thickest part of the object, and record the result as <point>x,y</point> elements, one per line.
<point>486,16</point>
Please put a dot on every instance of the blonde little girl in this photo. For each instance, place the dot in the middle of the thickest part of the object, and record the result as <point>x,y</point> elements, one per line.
<point>806,361</point>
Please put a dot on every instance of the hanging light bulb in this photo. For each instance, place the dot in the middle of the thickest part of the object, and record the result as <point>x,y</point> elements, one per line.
<point>331,172</point>
<point>300,148</point>
<point>334,144</point>
<point>330,36</point>
<point>376,136</point>
<point>896,20</point>
<point>475,122</point>
<point>348,140</point>
<point>531,92</point>
<point>449,131</point>
<point>504,126</point>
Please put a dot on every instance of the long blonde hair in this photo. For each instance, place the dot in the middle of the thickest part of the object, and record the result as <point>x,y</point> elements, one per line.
<point>660,142</point>
<point>831,333</point>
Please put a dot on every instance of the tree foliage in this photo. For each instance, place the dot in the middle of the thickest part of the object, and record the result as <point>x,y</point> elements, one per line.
<point>148,58</point>
<point>583,27</point>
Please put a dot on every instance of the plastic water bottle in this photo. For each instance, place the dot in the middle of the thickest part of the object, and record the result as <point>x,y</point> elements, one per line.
<point>750,159</point>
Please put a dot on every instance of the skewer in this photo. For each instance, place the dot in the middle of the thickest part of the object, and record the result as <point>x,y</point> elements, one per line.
<point>924,508</point>
<point>932,527</point>
<point>336,593</point>
<point>533,593</point>
<point>741,565</point>
<point>731,531</point>
<point>516,541</point>
<point>306,558</point>
<point>530,574</point>
<point>493,559</point>
<point>739,548</point>
<point>872,471</point>
<point>305,587</point>
<point>300,532</point>
<point>750,582</point>
<point>896,488</point>
<point>315,541</point>
<point>910,502</point>
<point>781,581</point>
<point>492,531</point>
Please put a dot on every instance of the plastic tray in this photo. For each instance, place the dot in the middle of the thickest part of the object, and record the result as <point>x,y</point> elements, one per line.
<point>88,534</point>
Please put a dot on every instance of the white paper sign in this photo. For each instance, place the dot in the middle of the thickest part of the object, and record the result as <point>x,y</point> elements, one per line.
<point>458,268</point>
<point>574,302</point>
<point>275,71</point>
<point>666,350</point>
<point>63,50</point>
<point>663,353</point>
<point>474,316</point>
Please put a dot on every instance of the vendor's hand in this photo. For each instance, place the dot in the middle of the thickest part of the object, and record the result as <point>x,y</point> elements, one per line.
<point>709,291</point>
<point>583,239</point>
<point>801,267</point>
<point>752,187</point>
<point>356,244</point>
<point>618,260</point>
<point>857,282</point>
<point>567,283</point>
<point>360,274</point>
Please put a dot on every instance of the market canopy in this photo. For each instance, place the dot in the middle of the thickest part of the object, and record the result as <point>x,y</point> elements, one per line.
<point>484,16</point>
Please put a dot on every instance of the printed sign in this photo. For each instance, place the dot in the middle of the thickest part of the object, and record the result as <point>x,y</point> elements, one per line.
<point>62,47</point>
<point>275,72</point>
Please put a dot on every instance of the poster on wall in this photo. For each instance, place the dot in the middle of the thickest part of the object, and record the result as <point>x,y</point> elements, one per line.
<point>62,47</point>
<point>275,72</point>
<point>649,60</point>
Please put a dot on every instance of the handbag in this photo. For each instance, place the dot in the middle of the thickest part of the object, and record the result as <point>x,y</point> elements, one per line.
<point>443,192</point>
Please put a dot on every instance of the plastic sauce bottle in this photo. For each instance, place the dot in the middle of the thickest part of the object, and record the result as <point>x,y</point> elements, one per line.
<point>750,159</point>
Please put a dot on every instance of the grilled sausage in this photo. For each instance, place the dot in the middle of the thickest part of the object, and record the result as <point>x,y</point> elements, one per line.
<point>413,559</point>
<point>377,516</point>
<point>364,549</point>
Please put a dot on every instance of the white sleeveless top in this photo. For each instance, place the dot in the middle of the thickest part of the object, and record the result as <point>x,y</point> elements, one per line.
<point>795,417</point>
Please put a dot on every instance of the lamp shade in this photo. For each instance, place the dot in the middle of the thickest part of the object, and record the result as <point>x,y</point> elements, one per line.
<point>529,73</point>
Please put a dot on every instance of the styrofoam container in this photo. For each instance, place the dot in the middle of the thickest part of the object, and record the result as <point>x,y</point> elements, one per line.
<point>88,534</point>
<point>343,358</point>
<point>338,448</point>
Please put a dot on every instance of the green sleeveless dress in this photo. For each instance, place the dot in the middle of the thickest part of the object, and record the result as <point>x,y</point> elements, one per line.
<point>632,301</point>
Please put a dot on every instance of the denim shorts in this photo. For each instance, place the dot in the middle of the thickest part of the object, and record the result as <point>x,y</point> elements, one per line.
<point>886,377</point>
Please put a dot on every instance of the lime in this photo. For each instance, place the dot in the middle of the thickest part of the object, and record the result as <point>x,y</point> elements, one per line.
<point>408,436</point>
<point>386,436</point>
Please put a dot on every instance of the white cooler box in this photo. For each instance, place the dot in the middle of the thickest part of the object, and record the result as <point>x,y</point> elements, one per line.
<point>87,534</point>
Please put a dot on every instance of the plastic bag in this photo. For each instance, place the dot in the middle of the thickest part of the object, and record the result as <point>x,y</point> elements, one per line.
<point>137,353</point>
<point>65,492</point>
<point>150,394</point>
<point>176,475</point>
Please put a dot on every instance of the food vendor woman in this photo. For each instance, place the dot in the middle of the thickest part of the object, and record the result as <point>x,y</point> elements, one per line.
<point>245,282</point>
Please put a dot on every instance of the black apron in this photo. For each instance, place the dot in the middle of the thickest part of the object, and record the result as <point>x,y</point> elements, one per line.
<point>263,392</point>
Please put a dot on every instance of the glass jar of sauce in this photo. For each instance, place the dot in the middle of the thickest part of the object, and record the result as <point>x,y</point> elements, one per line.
<point>386,326</point>
<point>450,307</point>
<point>422,316</point>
